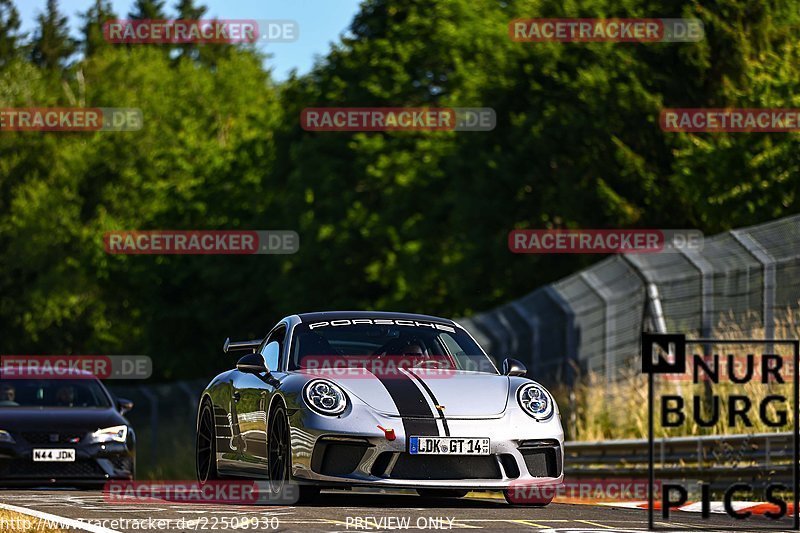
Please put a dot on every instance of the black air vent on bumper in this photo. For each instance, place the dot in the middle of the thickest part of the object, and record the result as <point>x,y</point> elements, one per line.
<point>510,465</point>
<point>337,458</point>
<point>542,461</point>
<point>82,468</point>
<point>445,467</point>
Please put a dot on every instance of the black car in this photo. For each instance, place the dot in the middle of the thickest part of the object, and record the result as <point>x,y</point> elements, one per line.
<point>63,431</point>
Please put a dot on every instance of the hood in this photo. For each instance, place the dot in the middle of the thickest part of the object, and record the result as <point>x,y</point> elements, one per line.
<point>58,418</point>
<point>463,394</point>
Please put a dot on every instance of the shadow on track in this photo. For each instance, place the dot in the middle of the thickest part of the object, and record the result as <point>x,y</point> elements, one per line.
<point>343,498</point>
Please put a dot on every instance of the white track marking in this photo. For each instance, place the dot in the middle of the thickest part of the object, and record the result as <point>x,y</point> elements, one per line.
<point>54,519</point>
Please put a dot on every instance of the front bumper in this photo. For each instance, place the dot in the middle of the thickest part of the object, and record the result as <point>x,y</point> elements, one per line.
<point>94,464</point>
<point>522,452</point>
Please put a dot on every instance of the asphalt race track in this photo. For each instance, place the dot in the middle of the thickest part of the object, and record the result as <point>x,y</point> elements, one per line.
<point>343,511</point>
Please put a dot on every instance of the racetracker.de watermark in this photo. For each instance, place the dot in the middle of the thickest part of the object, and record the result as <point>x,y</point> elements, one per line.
<point>184,31</point>
<point>589,30</point>
<point>70,119</point>
<point>717,120</point>
<point>229,492</point>
<point>581,490</point>
<point>75,366</point>
<point>603,241</point>
<point>398,119</point>
<point>391,366</point>
<point>201,242</point>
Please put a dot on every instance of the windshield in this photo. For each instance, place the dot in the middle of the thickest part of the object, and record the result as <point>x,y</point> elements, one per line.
<point>418,344</point>
<point>52,393</point>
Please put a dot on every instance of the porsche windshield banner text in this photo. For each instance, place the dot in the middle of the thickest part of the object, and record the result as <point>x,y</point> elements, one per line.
<point>382,322</point>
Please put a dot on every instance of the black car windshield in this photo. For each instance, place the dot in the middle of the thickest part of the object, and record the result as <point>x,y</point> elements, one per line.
<point>52,393</point>
<point>351,342</point>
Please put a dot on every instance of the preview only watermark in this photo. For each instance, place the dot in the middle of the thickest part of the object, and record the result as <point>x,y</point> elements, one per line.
<point>212,31</point>
<point>392,523</point>
<point>717,120</point>
<point>758,400</point>
<point>398,119</point>
<point>201,242</point>
<point>70,119</point>
<point>620,30</point>
<point>603,241</point>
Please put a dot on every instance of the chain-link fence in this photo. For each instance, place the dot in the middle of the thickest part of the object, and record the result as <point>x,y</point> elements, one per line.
<point>592,320</point>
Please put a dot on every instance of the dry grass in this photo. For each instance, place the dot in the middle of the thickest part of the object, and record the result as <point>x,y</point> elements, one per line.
<point>14,522</point>
<point>595,410</point>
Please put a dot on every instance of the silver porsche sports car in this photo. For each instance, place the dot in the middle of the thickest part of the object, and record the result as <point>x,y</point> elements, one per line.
<point>376,399</point>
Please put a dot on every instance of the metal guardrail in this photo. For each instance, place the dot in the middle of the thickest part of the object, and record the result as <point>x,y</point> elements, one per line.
<point>716,459</point>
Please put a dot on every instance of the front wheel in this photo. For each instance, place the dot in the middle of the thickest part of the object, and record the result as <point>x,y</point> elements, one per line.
<point>206,448</point>
<point>278,450</point>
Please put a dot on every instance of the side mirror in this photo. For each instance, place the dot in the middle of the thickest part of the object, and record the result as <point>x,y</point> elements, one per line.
<point>252,363</point>
<point>512,367</point>
<point>124,405</point>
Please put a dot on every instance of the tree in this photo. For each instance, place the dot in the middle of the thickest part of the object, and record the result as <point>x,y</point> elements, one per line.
<point>187,10</point>
<point>419,221</point>
<point>92,29</point>
<point>9,31</point>
<point>147,10</point>
<point>52,44</point>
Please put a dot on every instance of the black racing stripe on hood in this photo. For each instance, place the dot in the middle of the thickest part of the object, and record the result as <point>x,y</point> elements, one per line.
<point>435,401</point>
<point>417,417</point>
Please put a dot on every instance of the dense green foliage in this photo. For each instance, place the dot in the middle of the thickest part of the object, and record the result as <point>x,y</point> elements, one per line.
<point>412,221</point>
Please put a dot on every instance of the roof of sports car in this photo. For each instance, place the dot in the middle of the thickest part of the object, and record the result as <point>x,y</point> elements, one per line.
<point>320,316</point>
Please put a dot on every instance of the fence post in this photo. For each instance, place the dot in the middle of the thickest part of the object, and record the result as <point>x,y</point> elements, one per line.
<point>755,249</point>
<point>609,320</point>
<point>571,342</point>
<point>656,311</point>
<point>706,290</point>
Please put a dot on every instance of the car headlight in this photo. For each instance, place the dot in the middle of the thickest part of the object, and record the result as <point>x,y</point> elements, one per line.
<point>112,434</point>
<point>6,437</point>
<point>536,401</point>
<point>325,397</point>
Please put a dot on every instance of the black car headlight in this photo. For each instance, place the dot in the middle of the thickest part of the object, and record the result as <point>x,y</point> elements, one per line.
<point>6,437</point>
<point>536,401</point>
<point>325,397</point>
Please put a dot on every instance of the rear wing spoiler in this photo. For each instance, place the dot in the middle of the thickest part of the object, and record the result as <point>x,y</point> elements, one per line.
<point>240,346</point>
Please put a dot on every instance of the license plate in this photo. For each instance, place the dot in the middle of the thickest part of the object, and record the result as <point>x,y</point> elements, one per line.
<point>448,446</point>
<point>54,455</point>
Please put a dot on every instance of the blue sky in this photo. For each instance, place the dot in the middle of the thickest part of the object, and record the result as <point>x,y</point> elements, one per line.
<point>320,21</point>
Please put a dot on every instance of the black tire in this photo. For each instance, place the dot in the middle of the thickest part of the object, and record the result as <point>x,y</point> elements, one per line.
<point>279,449</point>
<point>279,457</point>
<point>206,445</point>
<point>442,493</point>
